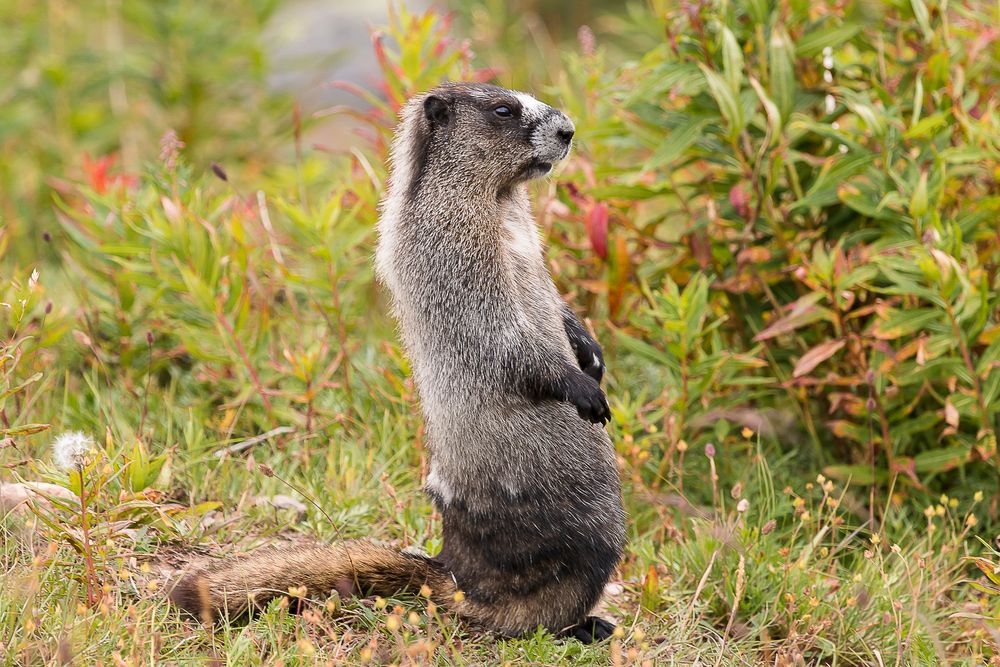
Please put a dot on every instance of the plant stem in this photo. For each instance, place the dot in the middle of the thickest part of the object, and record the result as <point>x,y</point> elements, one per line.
<point>87,553</point>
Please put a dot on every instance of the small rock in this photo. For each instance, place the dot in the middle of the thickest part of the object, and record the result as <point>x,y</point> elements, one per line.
<point>14,495</point>
<point>282,502</point>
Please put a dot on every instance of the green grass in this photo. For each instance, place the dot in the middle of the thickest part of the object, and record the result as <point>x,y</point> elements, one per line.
<point>176,314</point>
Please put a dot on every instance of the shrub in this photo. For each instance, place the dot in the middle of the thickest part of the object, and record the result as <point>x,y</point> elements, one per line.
<point>830,171</point>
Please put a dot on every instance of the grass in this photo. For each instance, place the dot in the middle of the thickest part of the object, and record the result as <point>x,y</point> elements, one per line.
<point>221,340</point>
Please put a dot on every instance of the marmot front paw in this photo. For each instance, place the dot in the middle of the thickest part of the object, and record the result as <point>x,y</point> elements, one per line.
<point>590,401</point>
<point>590,358</point>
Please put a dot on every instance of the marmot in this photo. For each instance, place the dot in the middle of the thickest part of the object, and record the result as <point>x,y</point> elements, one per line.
<point>521,468</point>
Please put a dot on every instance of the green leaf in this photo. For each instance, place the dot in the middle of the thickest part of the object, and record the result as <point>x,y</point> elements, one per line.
<point>24,429</point>
<point>923,17</point>
<point>918,201</point>
<point>732,60</point>
<point>834,173</point>
<point>813,42</point>
<point>941,460</point>
<point>13,390</point>
<point>676,142</point>
<point>729,104</point>
<point>901,323</point>
<point>927,126</point>
<point>781,70</point>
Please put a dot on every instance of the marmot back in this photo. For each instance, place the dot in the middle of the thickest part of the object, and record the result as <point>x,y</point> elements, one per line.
<point>521,469</point>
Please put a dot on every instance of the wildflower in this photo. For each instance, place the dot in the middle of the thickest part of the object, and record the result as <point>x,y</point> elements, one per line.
<point>768,527</point>
<point>588,43</point>
<point>747,432</point>
<point>978,497</point>
<point>170,148</point>
<point>929,512</point>
<point>710,450</point>
<point>875,538</point>
<point>743,506</point>
<point>805,516</point>
<point>393,623</point>
<point>971,520</point>
<point>72,450</point>
<point>682,446</point>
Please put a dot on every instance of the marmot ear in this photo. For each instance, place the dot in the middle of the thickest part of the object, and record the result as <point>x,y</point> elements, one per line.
<point>437,110</point>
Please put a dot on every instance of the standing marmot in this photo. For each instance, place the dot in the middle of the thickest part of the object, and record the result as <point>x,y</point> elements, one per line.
<point>521,470</point>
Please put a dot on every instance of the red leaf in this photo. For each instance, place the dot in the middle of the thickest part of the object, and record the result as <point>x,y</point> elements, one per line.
<point>597,229</point>
<point>97,172</point>
<point>740,200</point>
<point>817,355</point>
<point>800,313</point>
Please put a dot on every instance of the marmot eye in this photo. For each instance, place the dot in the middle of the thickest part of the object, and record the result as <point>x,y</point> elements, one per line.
<point>503,111</point>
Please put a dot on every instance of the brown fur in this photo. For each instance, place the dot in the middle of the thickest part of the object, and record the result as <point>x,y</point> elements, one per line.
<point>250,581</point>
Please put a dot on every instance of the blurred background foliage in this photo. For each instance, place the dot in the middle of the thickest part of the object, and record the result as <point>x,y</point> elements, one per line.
<point>780,218</point>
<point>86,85</point>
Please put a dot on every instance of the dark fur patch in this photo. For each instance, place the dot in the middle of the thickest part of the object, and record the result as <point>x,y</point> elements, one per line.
<point>419,156</point>
<point>592,630</point>
<point>522,549</point>
<point>191,595</point>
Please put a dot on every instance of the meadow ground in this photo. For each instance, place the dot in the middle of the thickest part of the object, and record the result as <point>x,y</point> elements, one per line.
<point>803,371</point>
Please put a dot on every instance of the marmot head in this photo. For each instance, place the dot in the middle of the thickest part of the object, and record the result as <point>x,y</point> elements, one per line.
<point>478,135</point>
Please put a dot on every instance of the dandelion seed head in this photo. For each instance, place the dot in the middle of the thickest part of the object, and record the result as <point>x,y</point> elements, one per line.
<point>71,450</point>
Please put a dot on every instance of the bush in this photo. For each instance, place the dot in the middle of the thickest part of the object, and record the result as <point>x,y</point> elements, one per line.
<point>829,170</point>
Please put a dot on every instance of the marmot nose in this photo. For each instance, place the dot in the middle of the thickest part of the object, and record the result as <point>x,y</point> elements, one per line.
<point>565,134</point>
